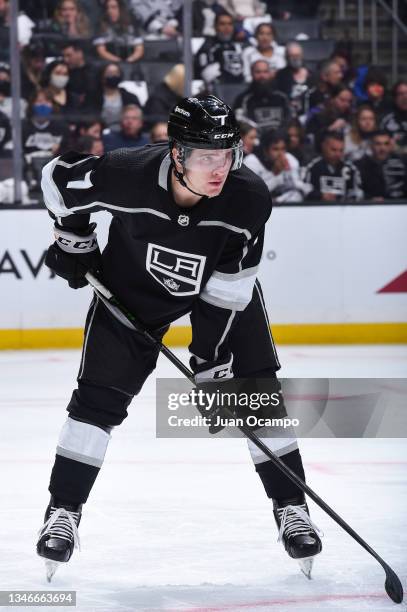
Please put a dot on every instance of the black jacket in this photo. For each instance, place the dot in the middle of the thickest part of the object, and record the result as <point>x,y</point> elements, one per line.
<point>266,106</point>
<point>159,104</point>
<point>386,179</point>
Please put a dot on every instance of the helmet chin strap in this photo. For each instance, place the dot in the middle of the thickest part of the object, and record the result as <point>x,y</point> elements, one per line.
<point>180,178</point>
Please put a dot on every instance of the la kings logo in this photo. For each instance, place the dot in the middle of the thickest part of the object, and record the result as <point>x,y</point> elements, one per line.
<point>180,273</point>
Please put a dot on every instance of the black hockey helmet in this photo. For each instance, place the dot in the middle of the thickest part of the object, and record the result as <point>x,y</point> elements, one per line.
<point>205,122</point>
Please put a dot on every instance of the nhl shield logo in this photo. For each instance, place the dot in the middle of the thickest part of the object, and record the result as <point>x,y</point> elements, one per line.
<point>183,220</point>
<point>180,273</point>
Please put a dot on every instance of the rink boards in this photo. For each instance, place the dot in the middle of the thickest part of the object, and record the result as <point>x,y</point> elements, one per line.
<point>334,274</point>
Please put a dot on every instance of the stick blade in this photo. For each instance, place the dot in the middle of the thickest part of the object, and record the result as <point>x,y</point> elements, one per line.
<point>393,586</point>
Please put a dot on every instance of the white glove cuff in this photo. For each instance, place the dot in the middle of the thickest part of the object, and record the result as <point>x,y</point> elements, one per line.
<point>220,372</point>
<point>71,243</point>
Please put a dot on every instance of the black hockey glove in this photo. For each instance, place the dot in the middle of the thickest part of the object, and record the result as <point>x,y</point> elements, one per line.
<point>73,254</point>
<point>210,377</point>
<point>240,395</point>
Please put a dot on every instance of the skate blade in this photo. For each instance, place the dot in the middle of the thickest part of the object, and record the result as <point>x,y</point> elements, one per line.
<point>306,566</point>
<point>51,567</point>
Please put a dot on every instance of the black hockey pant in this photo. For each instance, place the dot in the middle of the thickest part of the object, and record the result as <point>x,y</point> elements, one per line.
<point>115,363</point>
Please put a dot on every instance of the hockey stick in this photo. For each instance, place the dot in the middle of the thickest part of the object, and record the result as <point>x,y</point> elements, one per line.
<point>392,585</point>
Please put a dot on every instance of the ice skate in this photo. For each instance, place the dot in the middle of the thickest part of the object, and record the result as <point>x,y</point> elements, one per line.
<point>297,532</point>
<point>59,536</point>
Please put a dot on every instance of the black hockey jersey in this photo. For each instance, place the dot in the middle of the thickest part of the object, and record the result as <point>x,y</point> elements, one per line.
<point>227,53</point>
<point>386,179</point>
<point>342,180</point>
<point>268,108</point>
<point>163,260</point>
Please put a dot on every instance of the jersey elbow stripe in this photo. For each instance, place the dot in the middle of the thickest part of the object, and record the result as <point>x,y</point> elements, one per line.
<point>231,291</point>
<point>52,196</point>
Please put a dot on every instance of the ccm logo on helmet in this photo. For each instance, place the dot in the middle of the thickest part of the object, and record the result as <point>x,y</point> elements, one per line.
<point>229,135</point>
<point>181,111</point>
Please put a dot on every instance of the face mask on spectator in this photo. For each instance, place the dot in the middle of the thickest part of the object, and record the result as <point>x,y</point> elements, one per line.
<point>42,110</point>
<point>5,88</point>
<point>59,80</point>
<point>112,81</point>
<point>375,90</point>
<point>295,62</point>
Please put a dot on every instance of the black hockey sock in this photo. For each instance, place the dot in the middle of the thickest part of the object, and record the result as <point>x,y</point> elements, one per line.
<point>72,480</point>
<point>276,484</point>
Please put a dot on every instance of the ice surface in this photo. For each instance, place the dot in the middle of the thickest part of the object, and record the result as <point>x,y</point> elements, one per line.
<point>185,524</point>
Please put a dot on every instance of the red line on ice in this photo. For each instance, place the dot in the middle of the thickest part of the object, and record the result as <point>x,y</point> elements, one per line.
<point>284,601</point>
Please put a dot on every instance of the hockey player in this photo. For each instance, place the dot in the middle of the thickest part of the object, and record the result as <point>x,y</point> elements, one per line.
<point>186,236</point>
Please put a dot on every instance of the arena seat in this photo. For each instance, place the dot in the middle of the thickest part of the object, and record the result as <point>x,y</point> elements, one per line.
<point>229,91</point>
<point>317,50</point>
<point>289,30</point>
<point>162,50</point>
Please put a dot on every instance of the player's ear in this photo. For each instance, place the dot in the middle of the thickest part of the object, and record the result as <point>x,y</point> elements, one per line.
<point>175,156</point>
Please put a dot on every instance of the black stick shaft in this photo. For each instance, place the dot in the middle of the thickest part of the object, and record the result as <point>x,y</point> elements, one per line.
<point>390,574</point>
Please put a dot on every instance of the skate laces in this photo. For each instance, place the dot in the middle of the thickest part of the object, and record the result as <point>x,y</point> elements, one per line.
<point>62,524</point>
<point>295,520</point>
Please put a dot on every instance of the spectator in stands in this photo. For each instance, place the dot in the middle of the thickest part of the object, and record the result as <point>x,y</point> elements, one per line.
<point>279,9</point>
<point>24,29</point>
<point>109,99</point>
<point>6,101</point>
<point>375,92</point>
<point>158,132</point>
<point>279,169</point>
<point>117,39</point>
<point>330,76</point>
<point>92,127</point>
<point>203,17</point>
<point>260,102</point>
<point>219,59</point>
<point>343,57</point>
<point>5,12</point>
<point>286,9</point>
<point>89,144</point>
<point>5,130</point>
<point>295,80</point>
<point>297,143</point>
<point>396,121</point>
<point>157,17</point>
<point>384,173</point>
<point>248,132</point>
<point>332,179</point>
<point>165,96</point>
<point>71,21</point>
<point>335,115</point>
<point>4,30</point>
<point>358,135</point>
<point>41,135</point>
<point>41,131</point>
<point>32,67</point>
<point>55,81</point>
<point>266,49</point>
<point>82,76</point>
<point>240,9</point>
<point>130,133</point>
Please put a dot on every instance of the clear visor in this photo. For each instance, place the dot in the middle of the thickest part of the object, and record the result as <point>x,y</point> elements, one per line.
<point>208,159</point>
